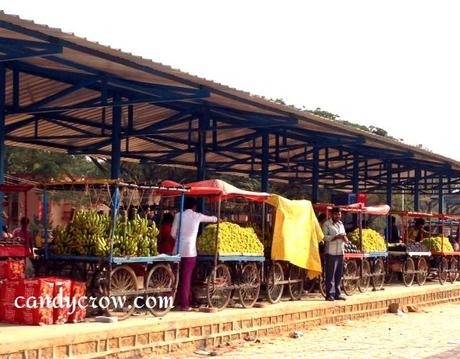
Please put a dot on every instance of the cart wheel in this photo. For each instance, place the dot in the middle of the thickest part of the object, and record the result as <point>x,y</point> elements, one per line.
<point>443,268</point>
<point>249,286</point>
<point>322,285</point>
<point>309,285</point>
<point>161,279</point>
<point>350,277</point>
<point>217,287</point>
<point>275,275</point>
<point>365,280</point>
<point>122,280</point>
<point>296,277</point>
<point>453,266</point>
<point>408,272</point>
<point>422,271</point>
<point>378,276</point>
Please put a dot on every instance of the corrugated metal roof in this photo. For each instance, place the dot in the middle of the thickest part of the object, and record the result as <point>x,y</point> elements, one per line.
<point>135,68</point>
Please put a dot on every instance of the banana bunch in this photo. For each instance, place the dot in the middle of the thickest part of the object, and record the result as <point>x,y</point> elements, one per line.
<point>438,244</point>
<point>88,234</point>
<point>135,237</point>
<point>372,240</point>
<point>233,239</point>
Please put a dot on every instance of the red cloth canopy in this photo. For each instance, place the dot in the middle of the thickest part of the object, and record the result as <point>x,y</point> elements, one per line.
<point>219,189</point>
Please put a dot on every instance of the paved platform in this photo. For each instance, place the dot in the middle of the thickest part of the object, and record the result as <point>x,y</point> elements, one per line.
<point>146,335</point>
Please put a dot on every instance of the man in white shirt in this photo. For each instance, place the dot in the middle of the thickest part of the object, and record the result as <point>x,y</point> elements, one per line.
<point>335,238</point>
<point>187,247</point>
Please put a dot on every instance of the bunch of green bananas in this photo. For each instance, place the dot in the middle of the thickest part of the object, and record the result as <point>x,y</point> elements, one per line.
<point>372,240</point>
<point>233,239</point>
<point>135,237</point>
<point>88,234</point>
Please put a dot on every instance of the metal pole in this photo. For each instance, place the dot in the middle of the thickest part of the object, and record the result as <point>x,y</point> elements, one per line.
<point>201,148</point>
<point>356,174</point>
<point>389,196</point>
<point>265,164</point>
<point>441,195</point>
<point>417,190</point>
<point>315,175</point>
<point>45,222</point>
<point>2,139</point>
<point>116,137</point>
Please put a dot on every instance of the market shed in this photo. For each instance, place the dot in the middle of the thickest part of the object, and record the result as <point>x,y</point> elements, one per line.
<point>68,94</point>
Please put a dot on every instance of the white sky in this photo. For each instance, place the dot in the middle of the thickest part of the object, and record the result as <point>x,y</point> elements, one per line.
<point>391,64</point>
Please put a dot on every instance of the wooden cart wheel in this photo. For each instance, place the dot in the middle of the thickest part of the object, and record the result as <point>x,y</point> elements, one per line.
<point>350,277</point>
<point>274,276</point>
<point>422,271</point>
<point>443,268</point>
<point>378,275</point>
<point>122,280</point>
<point>453,267</point>
<point>161,279</point>
<point>249,286</point>
<point>295,286</point>
<point>309,285</point>
<point>408,272</point>
<point>217,287</point>
<point>322,285</point>
<point>365,280</point>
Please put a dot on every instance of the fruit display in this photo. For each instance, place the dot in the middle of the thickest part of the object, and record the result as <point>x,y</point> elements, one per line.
<point>233,239</point>
<point>372,240</point>
<point>416,247</point>
<point>438,244</point>
<point>88,234</point>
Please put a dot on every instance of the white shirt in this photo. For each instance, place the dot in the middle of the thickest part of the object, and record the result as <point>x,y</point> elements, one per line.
<point>330,230</point>
<point>189,230</point>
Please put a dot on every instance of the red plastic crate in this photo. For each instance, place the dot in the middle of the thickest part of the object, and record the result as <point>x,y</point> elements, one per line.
<point>77,292</point>
<point>12,270</point>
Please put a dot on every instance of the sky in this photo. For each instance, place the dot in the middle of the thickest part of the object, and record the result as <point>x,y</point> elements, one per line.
<point>390,64</point>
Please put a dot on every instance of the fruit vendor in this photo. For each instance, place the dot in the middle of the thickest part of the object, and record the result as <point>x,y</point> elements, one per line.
<point>188,234</point>
<point>23,234</point>
<point>166,241</point>
<point>335,238</point>
<point>416,232</point>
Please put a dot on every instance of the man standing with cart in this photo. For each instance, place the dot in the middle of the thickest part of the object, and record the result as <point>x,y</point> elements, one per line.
<point>335,238</point>
<point>187,249</point>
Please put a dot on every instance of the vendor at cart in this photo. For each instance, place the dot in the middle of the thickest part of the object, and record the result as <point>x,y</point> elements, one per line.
<point>23,234</point>
<point>189,226</point>
<point>335,238</point>
<point>416,232</point>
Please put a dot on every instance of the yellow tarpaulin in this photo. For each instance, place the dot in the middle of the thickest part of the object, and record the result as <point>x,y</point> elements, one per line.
<point>297,234</point>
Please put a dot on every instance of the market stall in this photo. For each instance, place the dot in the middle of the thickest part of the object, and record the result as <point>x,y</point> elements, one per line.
<point>364,257</point>
<point>410,260</point>
<point>230,257</point>
<point>12,245</point>
<point>294,249</point>
<point>108,242</point>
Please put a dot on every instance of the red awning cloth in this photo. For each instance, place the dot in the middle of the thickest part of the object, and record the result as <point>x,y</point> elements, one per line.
<point>220,189</point>
<point>381,210</point>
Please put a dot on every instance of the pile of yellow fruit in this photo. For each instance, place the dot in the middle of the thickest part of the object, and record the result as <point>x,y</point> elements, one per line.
<point>233,239</point>
<point>372,240</point>
<point>436,244</point>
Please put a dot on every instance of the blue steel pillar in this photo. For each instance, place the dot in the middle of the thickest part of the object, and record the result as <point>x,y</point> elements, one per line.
<point>315,175</point>
<point>417,190</point>
<point>356,174</point>
<point>2,138</point>
<point>201,146</point>
<point>389,186</point>
<point>116,137</point>
<point>265,162</point>
<point>441,195</point>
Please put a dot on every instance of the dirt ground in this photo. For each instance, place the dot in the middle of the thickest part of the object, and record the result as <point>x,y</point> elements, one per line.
<point>433,332</point>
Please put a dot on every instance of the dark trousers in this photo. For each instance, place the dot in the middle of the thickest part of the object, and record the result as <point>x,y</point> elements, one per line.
<point>187,265</point>
<point>334,271</point>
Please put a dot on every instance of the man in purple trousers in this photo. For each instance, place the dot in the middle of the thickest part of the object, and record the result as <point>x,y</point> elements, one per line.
<point>188,234</point>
